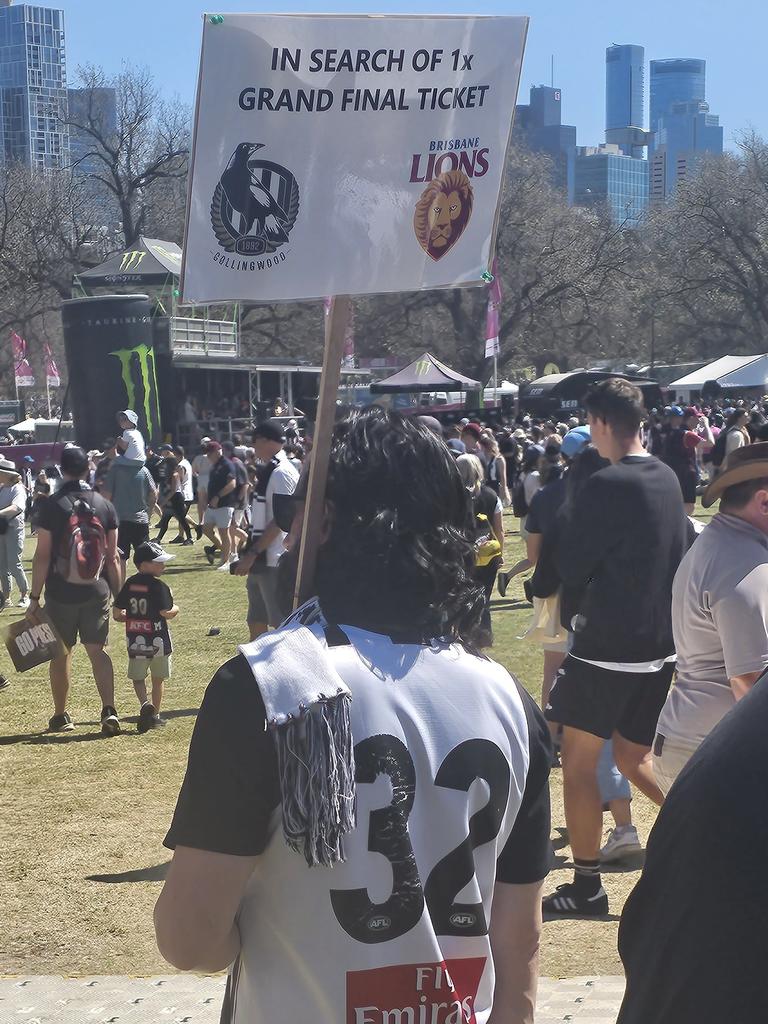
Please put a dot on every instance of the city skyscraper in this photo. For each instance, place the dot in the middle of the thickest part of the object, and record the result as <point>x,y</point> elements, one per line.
<point>33,86</point>
<point>683,128</point>
<point>605,175</point>
<point>539,124</point>
<point>680,80</point>
<point>625,98</point>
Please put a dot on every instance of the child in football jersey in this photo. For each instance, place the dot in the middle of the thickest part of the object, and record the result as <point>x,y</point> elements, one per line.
<point>145,604</point>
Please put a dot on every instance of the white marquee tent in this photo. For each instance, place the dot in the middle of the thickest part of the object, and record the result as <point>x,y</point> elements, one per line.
<point>732,372</point>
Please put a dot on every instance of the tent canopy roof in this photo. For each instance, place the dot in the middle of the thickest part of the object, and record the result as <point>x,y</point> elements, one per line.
<point>425,374</point>
<point>148,261</point>
<point>729,372</point>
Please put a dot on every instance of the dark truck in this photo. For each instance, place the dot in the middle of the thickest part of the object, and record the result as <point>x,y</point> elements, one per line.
<point>560,395</point>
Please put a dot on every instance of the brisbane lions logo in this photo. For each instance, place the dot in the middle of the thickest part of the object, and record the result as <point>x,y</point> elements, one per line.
<point>255,204</point>
<point>443,212</point>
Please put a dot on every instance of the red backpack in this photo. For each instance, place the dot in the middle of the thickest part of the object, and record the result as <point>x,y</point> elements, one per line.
<point>83,546</point>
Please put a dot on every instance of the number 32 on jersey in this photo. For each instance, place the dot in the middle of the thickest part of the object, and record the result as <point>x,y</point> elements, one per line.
<point>388,835</point>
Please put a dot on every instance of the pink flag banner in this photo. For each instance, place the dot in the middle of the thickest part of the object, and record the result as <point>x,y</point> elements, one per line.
<point>492,315</point>
<point>22,369</point>
<point>52,376</point>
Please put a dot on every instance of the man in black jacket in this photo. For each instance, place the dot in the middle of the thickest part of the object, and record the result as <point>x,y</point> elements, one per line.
<point>622,542</point>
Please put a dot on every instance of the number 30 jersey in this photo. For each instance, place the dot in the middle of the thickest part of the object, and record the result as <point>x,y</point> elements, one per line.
<point>452,759</point>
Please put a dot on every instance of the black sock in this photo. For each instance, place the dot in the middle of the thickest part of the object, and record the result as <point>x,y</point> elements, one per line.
<point>586,877</point>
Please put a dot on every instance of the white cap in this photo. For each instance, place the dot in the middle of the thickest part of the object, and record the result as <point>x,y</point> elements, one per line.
<point>130,415</point>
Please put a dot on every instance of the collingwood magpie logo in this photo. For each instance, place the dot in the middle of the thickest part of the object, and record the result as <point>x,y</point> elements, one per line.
<point>254,208</point>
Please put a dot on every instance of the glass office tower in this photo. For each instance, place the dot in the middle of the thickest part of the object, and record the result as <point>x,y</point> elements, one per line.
<point>605,175</point>
<point>33,87</point>
<point>540,125</point>
<point>624,94</point>
<point>680,80</point>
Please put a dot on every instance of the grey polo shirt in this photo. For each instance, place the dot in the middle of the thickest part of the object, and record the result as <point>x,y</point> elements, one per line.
<point>130,485</point>
<point>720,625</point>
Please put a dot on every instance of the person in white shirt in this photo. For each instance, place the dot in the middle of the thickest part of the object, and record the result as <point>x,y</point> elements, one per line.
<point>131,444</point>
<point>201,469</point>
<point>13,502</point>
<point>276,475</point>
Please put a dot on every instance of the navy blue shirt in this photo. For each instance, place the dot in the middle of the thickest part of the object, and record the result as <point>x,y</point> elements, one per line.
<point>221,474</point>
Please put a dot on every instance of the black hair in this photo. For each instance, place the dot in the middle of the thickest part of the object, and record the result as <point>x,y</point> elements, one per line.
<point>618,403</point>
<point>178,450</point>
<point>398,559</point>
<point>584,464</point>
<point>74,462</point>
<point>738,496</point>
<point>734,418</point>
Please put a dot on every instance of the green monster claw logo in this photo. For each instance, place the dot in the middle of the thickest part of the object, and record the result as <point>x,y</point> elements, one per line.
<point>146,361</point>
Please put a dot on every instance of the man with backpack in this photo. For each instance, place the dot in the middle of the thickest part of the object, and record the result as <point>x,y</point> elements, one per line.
<point>77,561</point>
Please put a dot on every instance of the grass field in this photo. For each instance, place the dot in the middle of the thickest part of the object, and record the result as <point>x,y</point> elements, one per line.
<point>83,817</point>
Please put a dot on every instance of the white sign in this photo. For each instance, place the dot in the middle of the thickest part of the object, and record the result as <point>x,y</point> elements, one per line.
<point>347,155</point>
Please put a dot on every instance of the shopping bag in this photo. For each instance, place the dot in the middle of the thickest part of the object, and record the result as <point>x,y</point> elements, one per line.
<point>32,643</point>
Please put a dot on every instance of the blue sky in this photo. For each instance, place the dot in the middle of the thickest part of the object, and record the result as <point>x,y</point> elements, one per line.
<point>165,34</point>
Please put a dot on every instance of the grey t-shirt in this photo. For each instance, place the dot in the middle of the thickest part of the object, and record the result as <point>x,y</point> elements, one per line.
<point>720,624</point>
<point>130,486</point>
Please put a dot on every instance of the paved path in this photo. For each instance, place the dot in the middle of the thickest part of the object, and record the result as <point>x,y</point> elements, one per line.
<point>186,999</point>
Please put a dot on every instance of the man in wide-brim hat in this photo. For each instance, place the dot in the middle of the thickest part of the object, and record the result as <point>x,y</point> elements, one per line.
<point>719,612</point>
<point>702,885</point>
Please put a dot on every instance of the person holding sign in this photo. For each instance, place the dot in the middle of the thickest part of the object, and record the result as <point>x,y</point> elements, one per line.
<point>381,662</point>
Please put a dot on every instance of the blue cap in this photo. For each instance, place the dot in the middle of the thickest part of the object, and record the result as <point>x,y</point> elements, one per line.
<point>575,440</point>
<point>457,446</point>
<point>676,410</point>
<point>28,458</point>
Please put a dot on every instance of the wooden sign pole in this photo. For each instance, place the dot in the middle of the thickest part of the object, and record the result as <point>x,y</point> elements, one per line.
<point>335,330</point>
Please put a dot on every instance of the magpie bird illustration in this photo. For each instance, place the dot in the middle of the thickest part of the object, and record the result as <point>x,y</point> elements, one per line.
<point>247,195</point>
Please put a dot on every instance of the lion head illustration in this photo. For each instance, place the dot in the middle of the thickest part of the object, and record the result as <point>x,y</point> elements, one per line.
<point>442,213</point>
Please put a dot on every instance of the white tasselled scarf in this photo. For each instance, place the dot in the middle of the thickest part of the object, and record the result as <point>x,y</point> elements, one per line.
<point>308,712</point>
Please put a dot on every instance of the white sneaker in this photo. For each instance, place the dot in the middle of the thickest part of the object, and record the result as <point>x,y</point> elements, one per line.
<point>23,602</point>
<point>223,568</point>
<point>621,842</point>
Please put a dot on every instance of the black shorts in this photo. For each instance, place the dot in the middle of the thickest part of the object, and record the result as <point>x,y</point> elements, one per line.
<point>131,534</point>
<point>601,702</point>
<point>688,484</point>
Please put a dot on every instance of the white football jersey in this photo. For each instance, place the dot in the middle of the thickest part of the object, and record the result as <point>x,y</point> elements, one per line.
<point>398,932</point>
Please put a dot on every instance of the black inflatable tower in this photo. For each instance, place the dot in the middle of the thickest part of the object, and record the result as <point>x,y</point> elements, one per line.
<point>111,362</point>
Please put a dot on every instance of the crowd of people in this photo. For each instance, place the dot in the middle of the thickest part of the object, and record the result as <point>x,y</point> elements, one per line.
<point>384,673</point>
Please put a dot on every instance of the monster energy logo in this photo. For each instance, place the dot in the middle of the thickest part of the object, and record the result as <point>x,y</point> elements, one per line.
<point>131,260</point>
<point>146,363</point>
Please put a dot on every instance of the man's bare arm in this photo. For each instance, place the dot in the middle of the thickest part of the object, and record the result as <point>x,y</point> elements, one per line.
<point>741,685</point>
<point>515,935</point>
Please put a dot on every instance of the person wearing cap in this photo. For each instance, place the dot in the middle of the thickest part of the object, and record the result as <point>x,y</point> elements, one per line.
<point>470,435</point>
<point>13,504</point>
<point>76,609</point>
<point>145,604</point>
<point>237,534</point>
<point>201,471</point>
<point>222,498</point>
<point>275,476</point>
<point>719,612</point>
<point>130,444</point>
<point>682,443</point>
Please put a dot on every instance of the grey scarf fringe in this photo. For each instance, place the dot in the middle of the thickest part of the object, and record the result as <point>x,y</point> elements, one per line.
<point>316,762</point>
